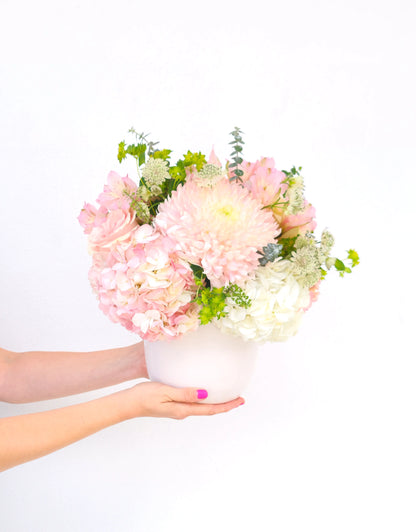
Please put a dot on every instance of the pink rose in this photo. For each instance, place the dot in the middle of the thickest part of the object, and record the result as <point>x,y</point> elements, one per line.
<point>115,228</point>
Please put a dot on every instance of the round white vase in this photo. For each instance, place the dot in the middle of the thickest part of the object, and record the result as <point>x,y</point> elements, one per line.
<point>205,359</point>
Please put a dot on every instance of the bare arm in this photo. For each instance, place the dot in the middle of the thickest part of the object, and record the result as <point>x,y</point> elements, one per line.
<point>30,436</point>
<point>40,375</point>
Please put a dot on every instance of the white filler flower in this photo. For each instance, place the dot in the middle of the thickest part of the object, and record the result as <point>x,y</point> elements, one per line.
<point>277,303</point>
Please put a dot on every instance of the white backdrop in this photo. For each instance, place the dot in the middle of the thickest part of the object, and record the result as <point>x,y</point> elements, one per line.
<point>325,440</point>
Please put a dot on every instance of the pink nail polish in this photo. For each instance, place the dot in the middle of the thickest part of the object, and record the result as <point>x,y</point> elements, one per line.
<point>202,394</point>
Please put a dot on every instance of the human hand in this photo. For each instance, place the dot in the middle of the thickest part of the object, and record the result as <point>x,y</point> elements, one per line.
<point>154,399</point>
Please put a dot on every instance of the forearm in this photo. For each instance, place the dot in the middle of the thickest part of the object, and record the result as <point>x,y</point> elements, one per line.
<point>38,375</point>
<point>30,436</point>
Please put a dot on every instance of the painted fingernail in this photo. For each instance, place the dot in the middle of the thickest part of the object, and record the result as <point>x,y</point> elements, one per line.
<point>202,394</point>
<point>242,402</point>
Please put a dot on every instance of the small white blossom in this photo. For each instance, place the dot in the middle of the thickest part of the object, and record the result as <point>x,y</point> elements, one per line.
<point>155,172</point>
<point>209,175</point>
<point>295,195</point>
<point>306,265</point>
<point>305,240</point>
<point>327,242</point>
<point>330,261</point>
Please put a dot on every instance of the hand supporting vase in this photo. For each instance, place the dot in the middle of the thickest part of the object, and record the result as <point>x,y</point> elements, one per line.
<point>206,358</point>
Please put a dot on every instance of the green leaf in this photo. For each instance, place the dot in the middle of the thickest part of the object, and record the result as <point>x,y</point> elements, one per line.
<point>288,246</point>
<point>339,265</point>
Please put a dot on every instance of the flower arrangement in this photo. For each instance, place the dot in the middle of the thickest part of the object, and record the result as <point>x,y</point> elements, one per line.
<point>198,242</point>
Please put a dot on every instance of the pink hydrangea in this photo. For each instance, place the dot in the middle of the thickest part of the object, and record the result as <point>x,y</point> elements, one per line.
<point>145,286</point>
<point>219,228</point>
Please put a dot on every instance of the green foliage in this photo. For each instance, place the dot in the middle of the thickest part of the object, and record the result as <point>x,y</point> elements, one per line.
<point>238,295</point>
<point>162,154</point>
<point>121,151</point>
<point>270,253</point>
<point>178,172</point>
<point>213,300</point>
<point>288,245</point>
<point>213,304</point>
<point>199,276</point>
<point>340,265</point>
<point>236,154</point>
<point>138,150</point>
<point>197,158</point>
<point>291,175</point>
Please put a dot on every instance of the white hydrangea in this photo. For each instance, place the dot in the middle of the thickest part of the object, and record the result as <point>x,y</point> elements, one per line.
<point>277,303</point>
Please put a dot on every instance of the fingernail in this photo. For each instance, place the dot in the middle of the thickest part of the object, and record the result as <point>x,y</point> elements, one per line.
<point>242,402</point>
<point>202,394</point>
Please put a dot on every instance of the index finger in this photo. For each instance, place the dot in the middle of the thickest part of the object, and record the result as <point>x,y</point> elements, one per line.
<point>202,409</point>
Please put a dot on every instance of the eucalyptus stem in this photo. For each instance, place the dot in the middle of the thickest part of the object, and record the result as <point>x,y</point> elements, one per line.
<point>236,154</point>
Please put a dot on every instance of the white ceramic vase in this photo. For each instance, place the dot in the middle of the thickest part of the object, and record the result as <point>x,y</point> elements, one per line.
<point>206,359</point>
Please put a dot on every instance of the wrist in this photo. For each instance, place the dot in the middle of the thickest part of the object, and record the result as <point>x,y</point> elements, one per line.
<point>136,363</point>
<point>127,405</point>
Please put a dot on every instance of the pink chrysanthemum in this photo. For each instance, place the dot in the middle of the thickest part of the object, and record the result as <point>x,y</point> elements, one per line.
<point>219,228</point>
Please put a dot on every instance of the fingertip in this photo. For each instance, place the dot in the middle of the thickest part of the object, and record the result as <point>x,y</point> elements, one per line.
<point>202,394</point>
